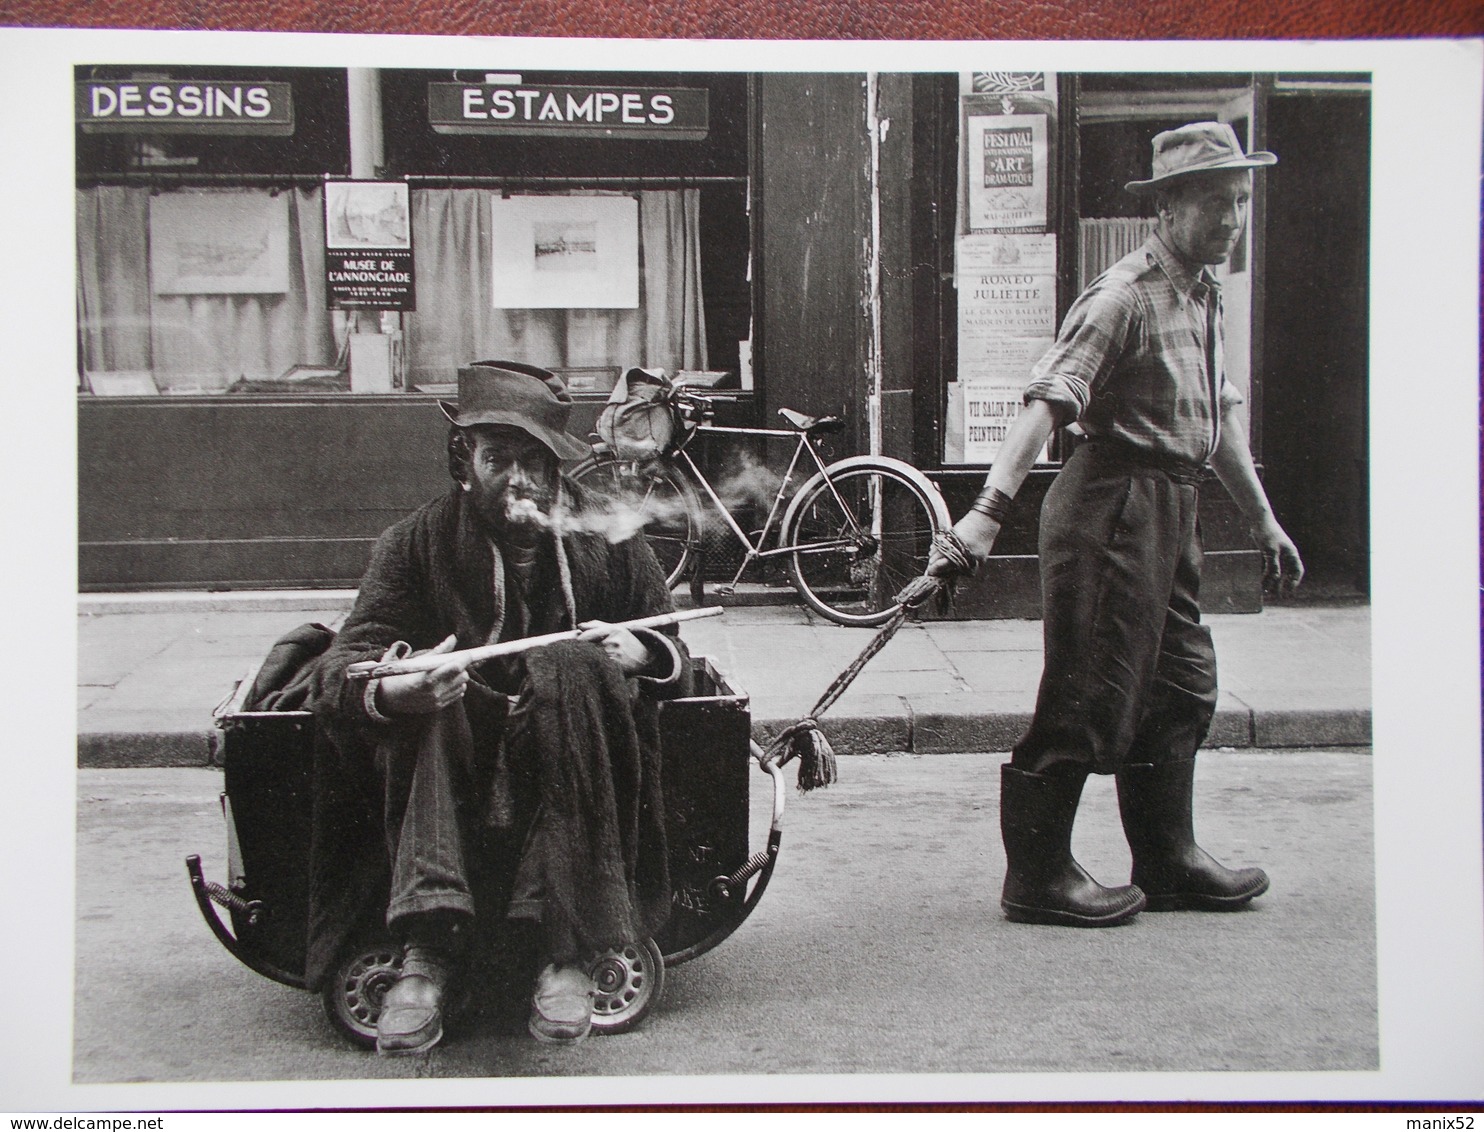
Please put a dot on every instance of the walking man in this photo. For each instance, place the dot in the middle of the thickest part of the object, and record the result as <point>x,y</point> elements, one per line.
<point>1129,683</point>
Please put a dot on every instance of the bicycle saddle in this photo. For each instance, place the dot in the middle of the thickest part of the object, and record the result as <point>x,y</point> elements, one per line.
<point>814,426</point>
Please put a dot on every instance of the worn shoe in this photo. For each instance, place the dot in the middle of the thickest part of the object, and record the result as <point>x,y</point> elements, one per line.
<point>1175,873</point>
<point>411,1018</point>
<point>562,1005</point>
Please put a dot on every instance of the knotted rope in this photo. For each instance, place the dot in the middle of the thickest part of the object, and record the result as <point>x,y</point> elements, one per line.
<point>806,740</point>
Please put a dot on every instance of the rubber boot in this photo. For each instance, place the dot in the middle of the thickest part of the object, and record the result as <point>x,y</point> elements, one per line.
<point>1175,873</point>
<point>1043,883</point>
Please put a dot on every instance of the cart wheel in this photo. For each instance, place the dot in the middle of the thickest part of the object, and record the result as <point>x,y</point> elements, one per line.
<point>352,997</point>
<point>629,981</point>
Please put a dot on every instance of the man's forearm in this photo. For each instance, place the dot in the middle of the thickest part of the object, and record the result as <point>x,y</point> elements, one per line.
<point>976,530</point>
<point>1027,437</point>
<point>1232,462</point>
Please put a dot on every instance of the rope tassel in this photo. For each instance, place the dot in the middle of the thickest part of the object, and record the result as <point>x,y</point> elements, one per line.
<point>807,742</point>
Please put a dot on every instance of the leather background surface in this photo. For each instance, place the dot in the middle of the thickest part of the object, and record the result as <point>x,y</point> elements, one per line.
<point>782,19</point>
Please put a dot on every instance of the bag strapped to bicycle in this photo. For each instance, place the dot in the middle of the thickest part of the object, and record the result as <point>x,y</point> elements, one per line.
<point>639,422</point>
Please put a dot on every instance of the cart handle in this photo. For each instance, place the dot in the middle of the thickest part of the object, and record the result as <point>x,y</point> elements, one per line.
<point>201,888</point>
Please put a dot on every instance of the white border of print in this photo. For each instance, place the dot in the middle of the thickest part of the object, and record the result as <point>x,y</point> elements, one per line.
<point>1424,366</point>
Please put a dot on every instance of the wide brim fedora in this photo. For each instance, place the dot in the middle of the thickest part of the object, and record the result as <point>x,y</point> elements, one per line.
<point>1200,147</point>
<point>520,396</point>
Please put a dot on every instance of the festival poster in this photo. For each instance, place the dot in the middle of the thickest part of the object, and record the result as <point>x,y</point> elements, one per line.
<point>1008,174</point>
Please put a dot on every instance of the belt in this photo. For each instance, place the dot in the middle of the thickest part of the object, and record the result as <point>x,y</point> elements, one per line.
<point>1111,452</point>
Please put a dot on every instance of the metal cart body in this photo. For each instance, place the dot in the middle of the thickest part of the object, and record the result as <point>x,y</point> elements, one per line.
<point>268,760</point>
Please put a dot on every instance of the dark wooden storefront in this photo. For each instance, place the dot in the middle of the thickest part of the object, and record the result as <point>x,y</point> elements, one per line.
<point>218,492</point>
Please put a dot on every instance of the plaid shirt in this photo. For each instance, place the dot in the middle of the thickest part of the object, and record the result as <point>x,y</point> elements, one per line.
<point>1131,359</point>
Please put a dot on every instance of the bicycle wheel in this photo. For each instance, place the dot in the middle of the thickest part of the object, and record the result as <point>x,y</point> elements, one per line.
<point>655,496</point>
<point>851,561</point>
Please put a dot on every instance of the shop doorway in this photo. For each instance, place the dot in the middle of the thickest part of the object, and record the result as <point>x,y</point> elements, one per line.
<point>1315,396</point>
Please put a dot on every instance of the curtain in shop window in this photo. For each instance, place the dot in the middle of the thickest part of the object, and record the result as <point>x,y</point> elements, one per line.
<point>1103,242</point>
<point>113,279</point>
<point>456,323</point>
<point>194,342</point>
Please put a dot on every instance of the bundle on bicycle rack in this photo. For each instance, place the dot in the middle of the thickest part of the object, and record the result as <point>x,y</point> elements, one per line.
<point>638,422</point>
<point>805,739</point>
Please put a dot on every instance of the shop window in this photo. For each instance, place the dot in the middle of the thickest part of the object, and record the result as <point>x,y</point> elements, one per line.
<point>202,259</point>
<point>642,237</point>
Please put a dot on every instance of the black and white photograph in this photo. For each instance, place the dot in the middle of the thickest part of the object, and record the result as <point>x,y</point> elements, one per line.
<point>744,573</point>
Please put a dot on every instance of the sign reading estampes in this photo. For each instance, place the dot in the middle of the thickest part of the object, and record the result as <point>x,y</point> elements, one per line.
<point>217,107</point>
<point>672,114</point>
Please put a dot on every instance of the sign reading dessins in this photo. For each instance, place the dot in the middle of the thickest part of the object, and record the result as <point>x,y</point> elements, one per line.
<point>169,106</point>
<point>535,109</point>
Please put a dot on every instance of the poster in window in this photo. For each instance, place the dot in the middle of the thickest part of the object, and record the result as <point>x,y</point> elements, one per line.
<point>219,242</point>
<point>368,246</point>
<point>1006,321</point>
<point>565,251</point>
<point>1008,175</point>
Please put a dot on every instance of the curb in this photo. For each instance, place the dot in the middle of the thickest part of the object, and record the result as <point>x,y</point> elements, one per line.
<point>748,596</point>
<point>906,732</point>
<point>225,601</point>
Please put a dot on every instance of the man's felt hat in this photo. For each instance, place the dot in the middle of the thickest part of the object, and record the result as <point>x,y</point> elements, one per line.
<point>1201,147</point>
<point>522,396</point>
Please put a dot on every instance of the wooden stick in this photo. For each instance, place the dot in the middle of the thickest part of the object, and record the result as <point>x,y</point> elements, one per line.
<point>426,662</point>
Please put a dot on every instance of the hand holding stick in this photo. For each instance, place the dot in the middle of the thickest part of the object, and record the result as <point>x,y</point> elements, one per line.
<point>424,662</point>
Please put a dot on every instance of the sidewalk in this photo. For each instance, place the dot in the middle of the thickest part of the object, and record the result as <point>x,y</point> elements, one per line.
<point>152,666</point>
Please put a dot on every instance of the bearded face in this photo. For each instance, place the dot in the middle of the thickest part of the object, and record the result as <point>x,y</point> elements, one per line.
<point>511,481</point>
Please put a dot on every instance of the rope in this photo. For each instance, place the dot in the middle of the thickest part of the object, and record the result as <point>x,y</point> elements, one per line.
<point>805,739</point>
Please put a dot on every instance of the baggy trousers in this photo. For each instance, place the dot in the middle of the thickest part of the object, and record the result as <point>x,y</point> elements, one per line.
<point>1130,673</point>
<point>436,782</point>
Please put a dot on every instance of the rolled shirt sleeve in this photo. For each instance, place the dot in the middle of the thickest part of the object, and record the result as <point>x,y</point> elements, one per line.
<point>1093,337</point>
<point>1230,395</point>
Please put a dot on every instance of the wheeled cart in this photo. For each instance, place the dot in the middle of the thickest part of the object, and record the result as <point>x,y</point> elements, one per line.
<point>266,801</point>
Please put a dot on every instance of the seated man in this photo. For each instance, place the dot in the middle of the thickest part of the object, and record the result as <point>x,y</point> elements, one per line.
<point>445,799</point>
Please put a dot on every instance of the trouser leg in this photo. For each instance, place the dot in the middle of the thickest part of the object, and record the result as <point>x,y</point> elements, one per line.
<point>1156,782</point>
<point>426,778</point>
<point>1110,542</point>
<point>429,814</point>
<point>435,785</point>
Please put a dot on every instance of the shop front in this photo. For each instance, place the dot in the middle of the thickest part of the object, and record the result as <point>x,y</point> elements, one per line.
<point>280,271</point>
<point>1036,165</point>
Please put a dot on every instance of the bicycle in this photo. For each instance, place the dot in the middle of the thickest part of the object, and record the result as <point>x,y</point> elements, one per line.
<point>854,534</point>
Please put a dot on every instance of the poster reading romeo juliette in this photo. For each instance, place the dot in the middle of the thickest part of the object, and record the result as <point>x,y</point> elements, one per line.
<point>1006,291</point>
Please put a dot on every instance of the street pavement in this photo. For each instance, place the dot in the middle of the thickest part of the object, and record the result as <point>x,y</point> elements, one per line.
<point>152,667</point>
<point>879,948</point>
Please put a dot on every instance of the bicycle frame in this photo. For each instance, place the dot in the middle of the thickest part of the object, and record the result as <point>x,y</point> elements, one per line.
<point>753,552</point>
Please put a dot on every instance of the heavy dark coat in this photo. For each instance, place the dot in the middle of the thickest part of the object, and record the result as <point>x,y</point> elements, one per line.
<point>430,575</point>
